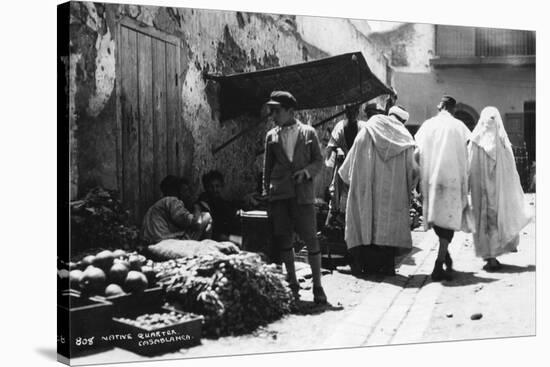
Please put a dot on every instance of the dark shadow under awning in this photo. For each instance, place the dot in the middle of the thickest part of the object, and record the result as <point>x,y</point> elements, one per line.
<point>321,83</point>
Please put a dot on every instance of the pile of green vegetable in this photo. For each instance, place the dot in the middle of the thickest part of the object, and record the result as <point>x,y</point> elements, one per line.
<point>235,293</point>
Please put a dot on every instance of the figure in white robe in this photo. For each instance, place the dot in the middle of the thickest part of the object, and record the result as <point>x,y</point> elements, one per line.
<point>497,197</point>
<point>380,172</point>
<point>443,156</point>
<point>442,143</point>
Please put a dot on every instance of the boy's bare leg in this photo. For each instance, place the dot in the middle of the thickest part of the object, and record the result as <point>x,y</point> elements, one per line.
<point>287,257</point>
<point>314,258</point>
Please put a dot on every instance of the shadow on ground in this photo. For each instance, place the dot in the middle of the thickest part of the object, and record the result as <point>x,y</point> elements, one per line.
<point>464,278</point>
<point>49,353</point>
<point>404,257</point>
<point>311,308</point>
<point>376,278</point>
<point>511,269</point>
<point>460,279</point>
<point>414,281</point>
<point>407,258</point>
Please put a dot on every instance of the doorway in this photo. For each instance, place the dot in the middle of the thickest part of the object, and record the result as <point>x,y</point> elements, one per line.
<point>467,115</point>
<point>148,106</point>
<point>466,118</point>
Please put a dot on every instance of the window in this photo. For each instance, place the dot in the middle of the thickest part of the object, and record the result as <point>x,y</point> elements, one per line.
<point>458,42</point>
<point>504,42</point>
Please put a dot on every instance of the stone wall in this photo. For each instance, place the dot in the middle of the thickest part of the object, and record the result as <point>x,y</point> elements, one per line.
<point>214,41</point>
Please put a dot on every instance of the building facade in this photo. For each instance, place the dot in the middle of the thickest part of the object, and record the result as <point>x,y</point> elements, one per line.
<point>140,107</point>
<point>478,66</point>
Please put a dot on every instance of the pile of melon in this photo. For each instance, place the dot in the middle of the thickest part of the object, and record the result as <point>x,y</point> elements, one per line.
<point>111,273</point>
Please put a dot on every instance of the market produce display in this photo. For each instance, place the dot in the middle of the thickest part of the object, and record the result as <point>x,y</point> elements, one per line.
<point>113,290</point>
<point>109,273</point>
<point>99,218</point>
<point>135,282</point>
<point>118,273</point>
<point>158,320</point>
<point>235,293</point>
<point>93,280</point>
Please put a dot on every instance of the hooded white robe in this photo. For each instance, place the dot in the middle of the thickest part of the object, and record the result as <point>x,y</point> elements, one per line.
<point>497,197</point>
<point>379,170</point>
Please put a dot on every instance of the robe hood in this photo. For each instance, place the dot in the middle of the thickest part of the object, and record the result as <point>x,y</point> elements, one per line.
<point>390,136</point>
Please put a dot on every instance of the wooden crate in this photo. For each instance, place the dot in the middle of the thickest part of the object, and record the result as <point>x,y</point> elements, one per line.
<point>89,320</point>
<point>131,304</point>
<point>157,341</point>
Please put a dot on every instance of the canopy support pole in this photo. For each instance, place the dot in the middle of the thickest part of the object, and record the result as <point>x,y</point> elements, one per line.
<point>233,138</point>
<point>248,129</point>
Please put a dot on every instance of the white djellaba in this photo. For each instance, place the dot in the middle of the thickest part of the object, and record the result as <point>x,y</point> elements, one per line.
<point>499,206</point>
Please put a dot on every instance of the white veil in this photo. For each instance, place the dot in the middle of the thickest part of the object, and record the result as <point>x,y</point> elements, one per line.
<point>488,130</point>
<point>490,135</point>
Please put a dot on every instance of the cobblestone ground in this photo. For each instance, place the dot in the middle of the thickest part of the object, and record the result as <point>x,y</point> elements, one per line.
<point>407,308</point>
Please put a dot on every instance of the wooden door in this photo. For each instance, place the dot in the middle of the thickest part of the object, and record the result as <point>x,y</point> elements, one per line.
<point>149,126</point>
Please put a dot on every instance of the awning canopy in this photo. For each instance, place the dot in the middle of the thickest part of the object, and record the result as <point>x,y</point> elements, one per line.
<point>327,82</point>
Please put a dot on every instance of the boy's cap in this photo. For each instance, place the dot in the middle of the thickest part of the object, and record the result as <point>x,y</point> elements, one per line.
<point>282,98</point>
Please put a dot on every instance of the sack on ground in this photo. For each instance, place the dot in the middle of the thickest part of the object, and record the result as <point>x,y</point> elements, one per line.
<point>175,249</point>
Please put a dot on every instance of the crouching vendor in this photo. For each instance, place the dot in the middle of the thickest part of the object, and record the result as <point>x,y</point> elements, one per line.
<point>223,212</point>
<point>170,218</point>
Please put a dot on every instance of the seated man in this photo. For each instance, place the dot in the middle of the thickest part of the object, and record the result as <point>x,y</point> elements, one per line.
<point>169,217</point>
<point>222,211</point>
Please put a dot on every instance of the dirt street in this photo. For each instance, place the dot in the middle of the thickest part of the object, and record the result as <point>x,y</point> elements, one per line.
<point>407,308</point>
